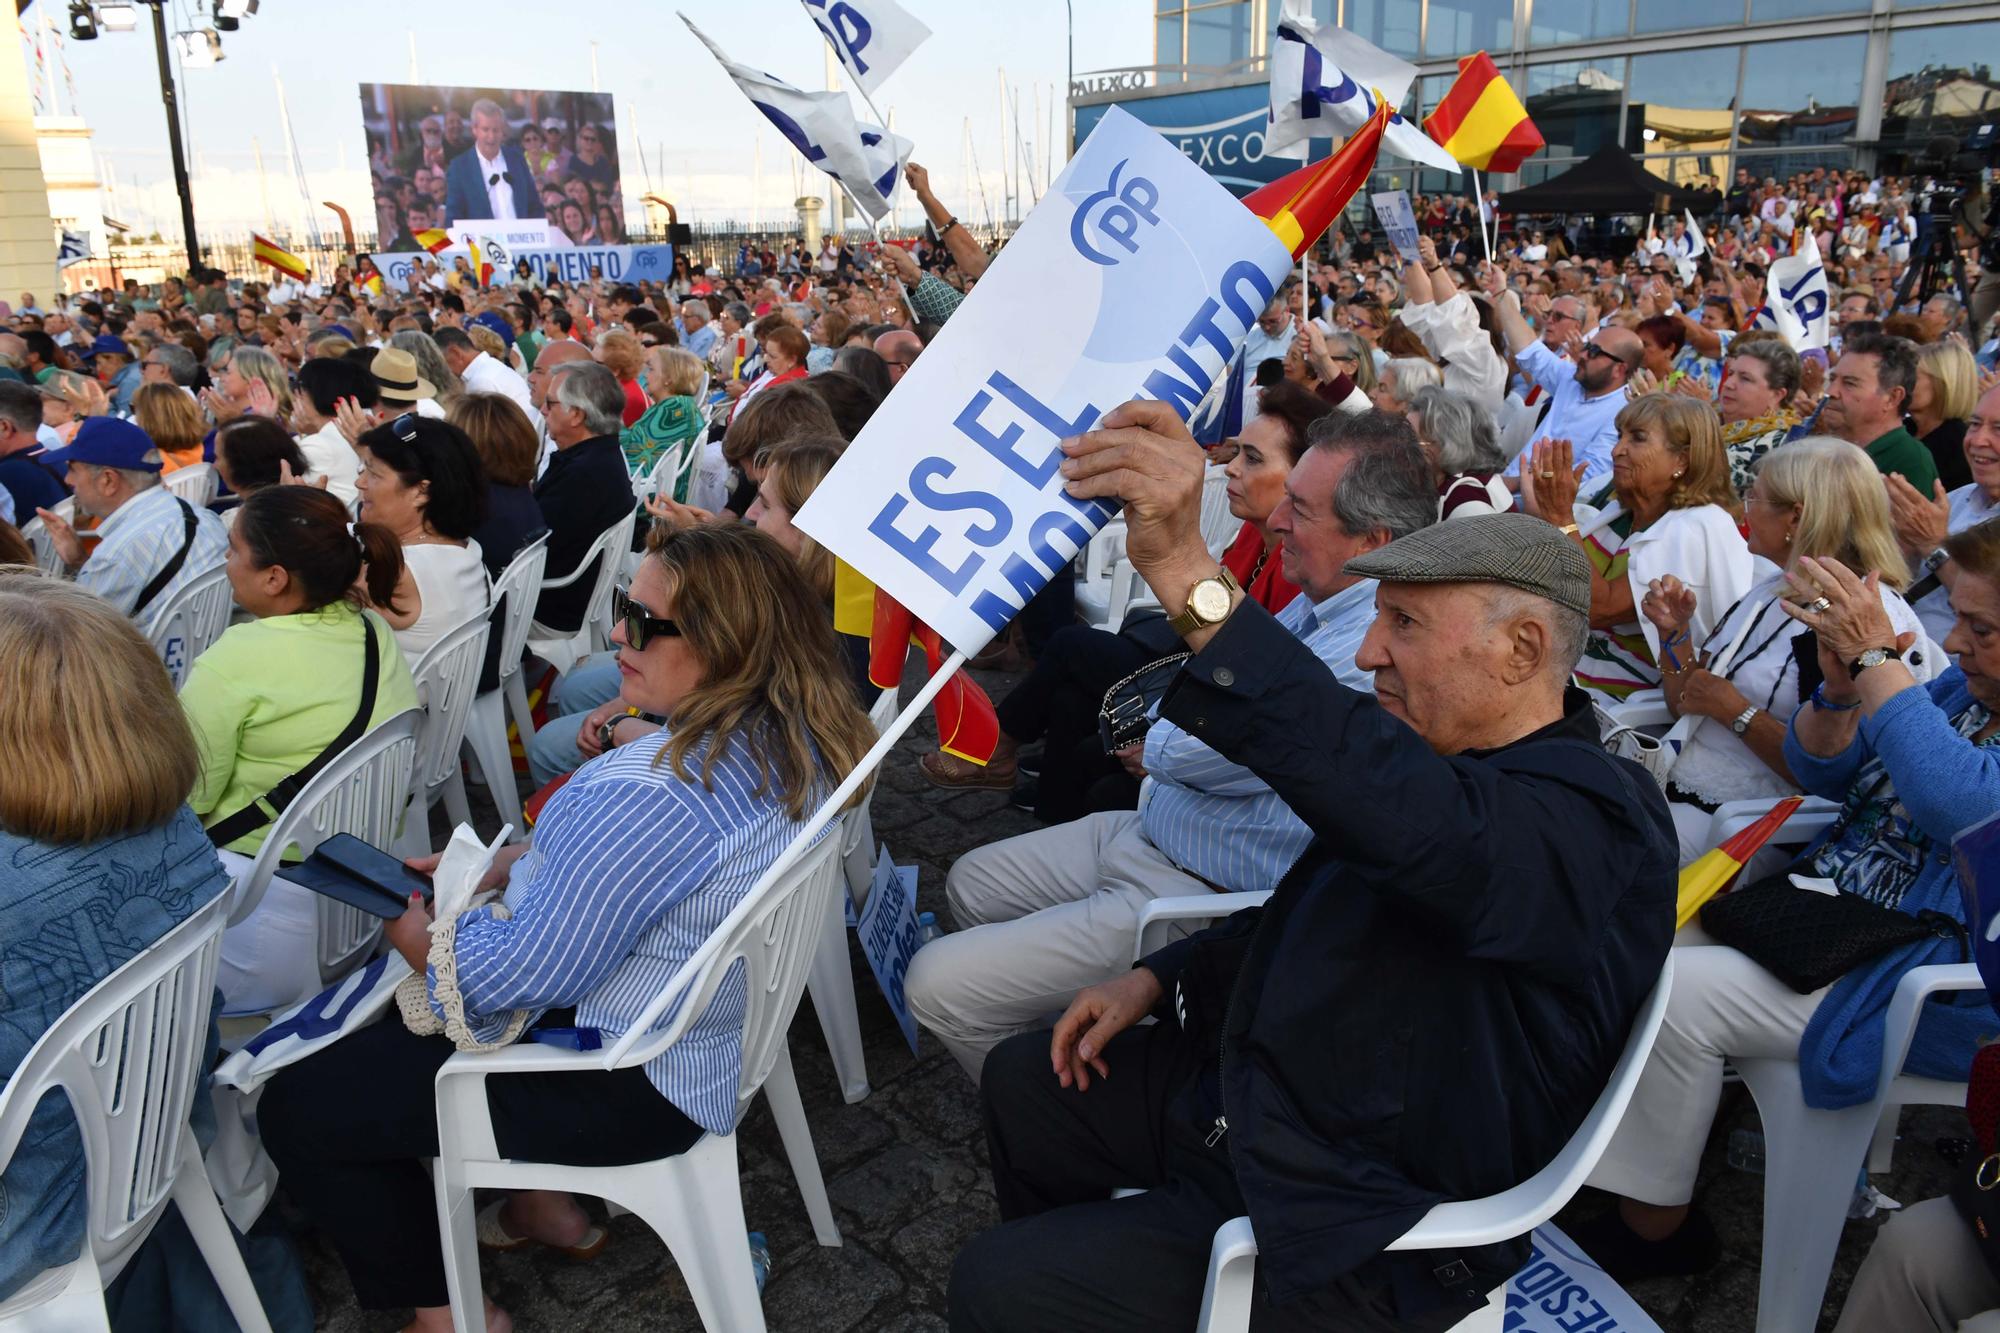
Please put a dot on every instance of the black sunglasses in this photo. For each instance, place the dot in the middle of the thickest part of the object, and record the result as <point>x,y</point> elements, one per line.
<point>641,625</point>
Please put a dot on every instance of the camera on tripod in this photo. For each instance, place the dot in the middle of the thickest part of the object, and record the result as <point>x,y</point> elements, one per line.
<point>1953,196</point>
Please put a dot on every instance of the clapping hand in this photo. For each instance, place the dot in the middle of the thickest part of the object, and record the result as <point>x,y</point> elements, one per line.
<point>261,401</point>
<point>1693,386</point>
<point>1922,523</point>
<point>1643,382</point>
<point>677,514</point>
<point>1551,494</point>
<point>285,477</point>
<point>353,420</point>
<point>221,407</point>
<point>62,535</point>
<point>1844,610</point>
<point>84,395</point>
<point>1670,605</point>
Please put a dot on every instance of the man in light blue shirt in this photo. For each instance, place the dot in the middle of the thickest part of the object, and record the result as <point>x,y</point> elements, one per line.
<point>1271,337</point>
<point>150,544</point>
<point>697,333</point>
<point>1044,915</point>
<point>1588,392</point>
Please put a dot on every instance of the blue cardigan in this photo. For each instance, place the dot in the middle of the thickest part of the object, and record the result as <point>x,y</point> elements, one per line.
<point>1947,784</point>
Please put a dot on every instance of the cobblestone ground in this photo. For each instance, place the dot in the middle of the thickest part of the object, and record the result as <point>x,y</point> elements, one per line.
<point>906,1168</point>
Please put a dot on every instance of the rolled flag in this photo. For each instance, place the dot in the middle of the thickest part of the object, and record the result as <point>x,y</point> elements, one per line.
<point>870,38</point>
<point>73,249</point>
<point>1711,872</point>
<point>1219,416</point>
<point>1299,207</point>
<point>267,251</point>
<point>1315,95</point>
<point>968,727</point>
<point>865,159</point>
<point>1481,122</point>
<point>1796,300</point>
<point>433,239</point>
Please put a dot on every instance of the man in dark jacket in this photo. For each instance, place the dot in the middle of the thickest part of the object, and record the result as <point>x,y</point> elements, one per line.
<point>586,488</point>
<point>1424,1011</point>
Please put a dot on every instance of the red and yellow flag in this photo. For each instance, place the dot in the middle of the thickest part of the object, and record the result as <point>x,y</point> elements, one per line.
<point>1711,872</point>
<point>433,240</point>
<point>369,281</point>
<point>968,727</point>
<point>1299,207</point>
<point>1481,122</point>
<point>267,251</point>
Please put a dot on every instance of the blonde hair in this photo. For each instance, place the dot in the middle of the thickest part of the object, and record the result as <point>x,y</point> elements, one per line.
<point>89,725</point>
<point>487,341</point>
<point>169,417</point>
<point>1954,376</point>
<point>1692,430</point>
<point>1843,508</point>
<point>773,678</point>
<point>793,470</point>
<point>255,363</point>
<point>620,353</point>
<point>680,372</point>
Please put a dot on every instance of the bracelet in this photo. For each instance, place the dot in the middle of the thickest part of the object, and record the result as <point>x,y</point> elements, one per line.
<point>1568,529</point>
<point>1826,705</point>
<point>949,223</point>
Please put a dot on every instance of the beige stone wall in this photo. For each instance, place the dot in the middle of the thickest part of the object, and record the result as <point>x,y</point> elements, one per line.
<point>27,238</point>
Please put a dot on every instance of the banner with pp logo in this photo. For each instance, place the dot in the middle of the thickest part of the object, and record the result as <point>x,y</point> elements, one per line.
<point>1138,275</point>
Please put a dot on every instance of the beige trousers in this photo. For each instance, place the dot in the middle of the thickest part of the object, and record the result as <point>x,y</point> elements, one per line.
<point>1924,1275</point>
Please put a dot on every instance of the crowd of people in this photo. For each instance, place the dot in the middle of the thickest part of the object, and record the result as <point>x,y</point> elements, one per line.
<point>1486,508</point>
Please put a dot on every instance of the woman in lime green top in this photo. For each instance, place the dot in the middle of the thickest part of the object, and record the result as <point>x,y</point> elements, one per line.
<point>271,694</point>
<point>672,377</point>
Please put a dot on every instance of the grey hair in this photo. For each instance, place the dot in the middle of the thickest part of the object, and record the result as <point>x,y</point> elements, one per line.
<point>423,350</point>
<point>1388,485</point>
<point>593,391</point>
<point>1569,632</point>
<point>739,312</point>
<point>1348,343</point>
<point>139,478</point>
<point>1412,373</point>
<point>1462,430</point>
<point>486,106</point>
<point>179,362</point>
<point>695,308</point>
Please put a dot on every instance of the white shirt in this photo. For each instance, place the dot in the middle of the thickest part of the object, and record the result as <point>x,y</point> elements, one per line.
<point>1969,505</point>
<point>329,455</point>
<point>499,191</point>
<point>485,375</point>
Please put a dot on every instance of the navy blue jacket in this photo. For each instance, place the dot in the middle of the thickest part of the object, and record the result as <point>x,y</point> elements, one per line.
<point>31,482</point>
<point>465,198</point>
<point>1436,993</point>
<point>584,491</point>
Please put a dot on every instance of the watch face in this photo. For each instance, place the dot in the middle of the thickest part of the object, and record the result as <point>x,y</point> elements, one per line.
<point>1210,600</point>
<point>1872,658</point>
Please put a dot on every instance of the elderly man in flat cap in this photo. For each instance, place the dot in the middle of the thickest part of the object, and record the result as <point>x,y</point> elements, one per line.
<point>1425,1009</point>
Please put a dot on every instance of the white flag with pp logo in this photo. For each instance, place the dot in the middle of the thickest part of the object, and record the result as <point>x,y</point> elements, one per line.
<point>74,249</point>
<point>1324,81</point>
<point>1796,303</point>
<point>870,38</point>
<point>865,159</point>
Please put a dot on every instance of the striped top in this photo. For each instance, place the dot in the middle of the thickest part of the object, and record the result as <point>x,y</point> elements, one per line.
<point>631,871</point>
<point>1217,820</point>
<point>1618,661</point>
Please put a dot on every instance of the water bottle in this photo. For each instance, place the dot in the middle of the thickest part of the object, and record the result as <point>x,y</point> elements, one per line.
<point>760,1259</point>
<point>927,928</point>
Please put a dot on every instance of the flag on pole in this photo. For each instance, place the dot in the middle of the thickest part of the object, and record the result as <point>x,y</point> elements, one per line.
<point>1711,872</point>
<point>1299,207</point>
<point>968,727</point>
<point>1481,122</point>
<point>1326,82</point>
<point>870,38</point>
<point>369,281</point>
<point>433,239</point>
<point>1797,302</point>
<point>267,251</point>
<point>865,159</point>
<point>74,248</point>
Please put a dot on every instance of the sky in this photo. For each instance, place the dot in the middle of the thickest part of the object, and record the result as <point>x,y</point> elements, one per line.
<point>698,132</point>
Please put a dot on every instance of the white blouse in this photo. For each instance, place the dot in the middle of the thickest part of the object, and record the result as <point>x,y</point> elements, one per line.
<point>452,587</point>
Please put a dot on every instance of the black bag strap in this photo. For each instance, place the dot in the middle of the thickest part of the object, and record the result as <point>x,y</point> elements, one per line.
<point>286,790</point>
<point>173,566</point>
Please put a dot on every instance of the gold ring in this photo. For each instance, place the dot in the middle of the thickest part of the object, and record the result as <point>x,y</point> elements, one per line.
<point>1545,476</point>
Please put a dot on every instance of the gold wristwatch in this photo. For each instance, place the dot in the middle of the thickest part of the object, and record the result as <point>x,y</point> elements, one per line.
<point>1207,603</point>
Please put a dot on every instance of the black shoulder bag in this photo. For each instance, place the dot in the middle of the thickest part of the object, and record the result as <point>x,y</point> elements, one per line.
<point>173,566</point>
<point>286,790</point>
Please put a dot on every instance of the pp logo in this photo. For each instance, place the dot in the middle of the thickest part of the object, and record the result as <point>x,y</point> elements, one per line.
<point>1118,210</point>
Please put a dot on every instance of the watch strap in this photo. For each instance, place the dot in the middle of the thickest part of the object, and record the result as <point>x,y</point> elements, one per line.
<point>1189,618</point>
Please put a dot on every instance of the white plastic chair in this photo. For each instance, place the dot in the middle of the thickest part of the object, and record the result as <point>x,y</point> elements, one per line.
<point>515,592</point>
<point>362,792</point>
<point>446,676</point>
<point>183,626</point>
<point>129,1057</point>
<point>563,649</point>
<point>1232,1261</point>
<point>196,483</point>
<point>693,1201</point>
<point>1104,603</point>
<point>832,979</point>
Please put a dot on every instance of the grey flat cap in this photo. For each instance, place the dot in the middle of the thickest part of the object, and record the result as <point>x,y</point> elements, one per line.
<point>1515,549</point>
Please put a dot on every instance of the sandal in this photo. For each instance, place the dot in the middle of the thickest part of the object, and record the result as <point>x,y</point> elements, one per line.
<point>493,1236</point>
<point>948,770</point>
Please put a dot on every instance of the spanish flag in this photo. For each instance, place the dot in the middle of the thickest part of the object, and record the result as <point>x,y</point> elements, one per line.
<point>968,727</point>
<point>433,240</point>
<point>1711,872</point>
<point>267,251</point>
<point>1480,121</point>
<point>1299,207</point>
<point>369,281</point>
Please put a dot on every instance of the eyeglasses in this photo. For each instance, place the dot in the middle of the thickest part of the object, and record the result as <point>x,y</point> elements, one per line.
<point>1593,350</point>
<point>641,625</point>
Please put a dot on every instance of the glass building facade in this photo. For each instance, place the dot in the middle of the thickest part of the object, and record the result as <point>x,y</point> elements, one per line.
<point>1696,87</point>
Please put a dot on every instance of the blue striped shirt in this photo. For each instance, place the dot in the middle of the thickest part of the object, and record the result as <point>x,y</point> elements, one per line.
<point>631,871</point>
<point>136,542</point>
<point>1218,820</point>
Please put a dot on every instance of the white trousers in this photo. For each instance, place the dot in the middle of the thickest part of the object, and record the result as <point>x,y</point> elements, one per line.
<point>1722,1005</point>
<point>1040,917</point>
<point>270,959</point>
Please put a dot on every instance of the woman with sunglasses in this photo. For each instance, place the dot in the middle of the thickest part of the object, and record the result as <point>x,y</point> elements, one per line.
<point>421,479</point>
<point>633,864</point>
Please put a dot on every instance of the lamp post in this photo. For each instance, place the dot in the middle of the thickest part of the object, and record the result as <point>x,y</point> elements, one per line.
<point>172,102</point>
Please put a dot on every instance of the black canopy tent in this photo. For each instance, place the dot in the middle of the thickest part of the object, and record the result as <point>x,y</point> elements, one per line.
<point>1609,181</point>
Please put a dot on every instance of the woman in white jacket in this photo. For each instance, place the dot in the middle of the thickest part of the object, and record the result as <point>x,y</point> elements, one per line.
<point>1670,509</point>
<point>1447,321</point>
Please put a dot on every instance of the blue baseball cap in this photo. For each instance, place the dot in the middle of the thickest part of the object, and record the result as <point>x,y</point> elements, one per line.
<point>107,442</point>
<point>108,342</point>
<point>496,322</point>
